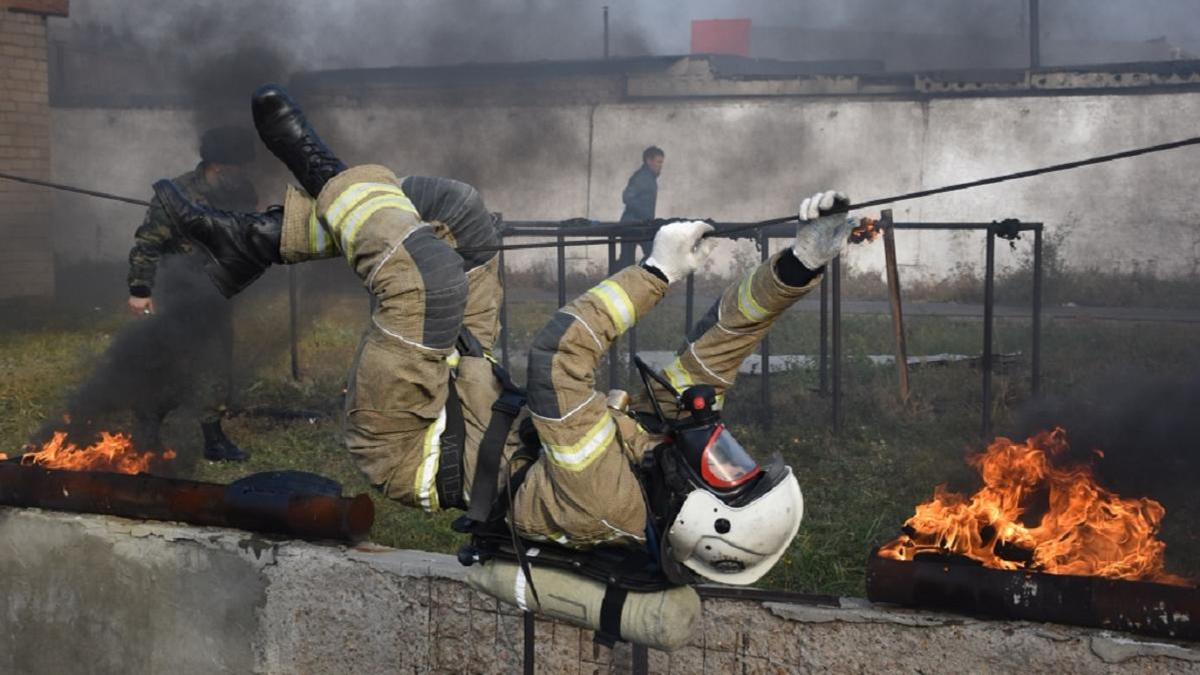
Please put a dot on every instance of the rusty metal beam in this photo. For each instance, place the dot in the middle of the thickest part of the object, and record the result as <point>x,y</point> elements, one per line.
<point>944,584</point>
<point>280,504</point>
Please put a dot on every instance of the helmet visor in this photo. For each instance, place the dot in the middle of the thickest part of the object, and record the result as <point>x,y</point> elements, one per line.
<point>725,464</point>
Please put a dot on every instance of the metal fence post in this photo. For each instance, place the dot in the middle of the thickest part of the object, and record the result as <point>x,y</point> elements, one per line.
<point>530,642</point>
<point>614,356</point>
<point>690,303</point>
<point>988,300</point>
<point>1036,357</point>
<point>504,356</point>
<point>641,660</point>
<point>293,319</point>
<point>562,269</point>
<point>836,320</point>
<point>893,284</point>
<point>823,362</point>
<point>764,243</point>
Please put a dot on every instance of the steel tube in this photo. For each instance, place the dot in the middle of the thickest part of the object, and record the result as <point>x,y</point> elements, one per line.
<point>823,367</point>
<point>836,320</point>
<point>989,279</point>
<point>504,357</point>
<point>529,658</point>
<point>294,319</point>
<point>614,355</point>
<point>146,497</point>
<point>641,660</point>
<point>893,284</point>
<point>1036,355</point>
<point>1035,35</point>
<point>764,348</point>
<point>689,304</point>
<point>561,252</point>
<point>944,584</point>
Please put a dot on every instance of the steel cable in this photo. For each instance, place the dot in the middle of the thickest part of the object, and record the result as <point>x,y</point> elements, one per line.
<point>731,231</point>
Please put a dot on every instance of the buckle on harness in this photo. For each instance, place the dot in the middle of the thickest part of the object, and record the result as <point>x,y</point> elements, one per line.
<point>509,403</point>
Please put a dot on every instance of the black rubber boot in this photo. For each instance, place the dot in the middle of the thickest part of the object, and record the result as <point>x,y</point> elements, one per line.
<point>241,246</point>
<point>218,447</point>
<point>287,134</point>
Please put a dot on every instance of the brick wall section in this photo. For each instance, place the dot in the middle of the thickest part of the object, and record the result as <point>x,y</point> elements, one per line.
<point>26,253</point>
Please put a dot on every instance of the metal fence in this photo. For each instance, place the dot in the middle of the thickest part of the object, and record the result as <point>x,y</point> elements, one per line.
<point>831,357</point>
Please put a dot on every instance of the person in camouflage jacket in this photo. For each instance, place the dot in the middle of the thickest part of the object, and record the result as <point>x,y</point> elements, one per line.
<point>162,261</point>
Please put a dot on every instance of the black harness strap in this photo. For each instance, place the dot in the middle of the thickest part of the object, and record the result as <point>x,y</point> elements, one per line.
<point>450,465</point>
<point>491,448</point>
<point>610,613</point>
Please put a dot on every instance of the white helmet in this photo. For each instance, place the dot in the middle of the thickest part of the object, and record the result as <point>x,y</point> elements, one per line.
<point>740,541</point>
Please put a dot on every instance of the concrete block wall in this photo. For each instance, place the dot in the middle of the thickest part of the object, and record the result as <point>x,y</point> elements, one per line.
<point>27,254</point>
<point>94,594</point>
<point>731,159</point>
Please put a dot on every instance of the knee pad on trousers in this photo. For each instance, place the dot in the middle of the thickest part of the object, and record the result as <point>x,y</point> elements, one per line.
<point>543,398</point>
<point>461,208</point>
<point>445,286</point>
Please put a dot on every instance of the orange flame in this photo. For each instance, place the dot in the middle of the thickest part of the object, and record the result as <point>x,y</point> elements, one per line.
<point>113,453</point>
<point>868,230</point>
<point>1086,530</point>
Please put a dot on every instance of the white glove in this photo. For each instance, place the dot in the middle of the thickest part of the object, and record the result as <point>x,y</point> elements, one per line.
<point>679,248</point>
<point>821,236</point>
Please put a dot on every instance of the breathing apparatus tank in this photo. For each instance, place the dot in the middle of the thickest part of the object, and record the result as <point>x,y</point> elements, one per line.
<point>662,619</point>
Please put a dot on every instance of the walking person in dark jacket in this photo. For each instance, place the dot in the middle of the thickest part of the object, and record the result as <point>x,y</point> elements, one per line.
<point>640,196</point>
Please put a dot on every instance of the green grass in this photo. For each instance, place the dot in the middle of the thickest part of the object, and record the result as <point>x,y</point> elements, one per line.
<point>859,486</point>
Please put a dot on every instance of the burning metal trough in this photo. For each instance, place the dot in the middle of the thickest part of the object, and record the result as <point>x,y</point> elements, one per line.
<point>108,478</point>
<point>1038,542</point>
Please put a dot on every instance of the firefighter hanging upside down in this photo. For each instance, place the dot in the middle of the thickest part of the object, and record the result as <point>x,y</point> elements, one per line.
<point>430,418</point>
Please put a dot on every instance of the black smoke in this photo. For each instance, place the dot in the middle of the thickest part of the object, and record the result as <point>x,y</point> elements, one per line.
<point>155,365</point>
<point>1148,431</point>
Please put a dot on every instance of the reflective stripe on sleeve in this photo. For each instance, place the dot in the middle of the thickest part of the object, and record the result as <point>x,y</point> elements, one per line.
<point>678,376</point>
<point>617,303</point>
<point>747,305</point>
<point>425,485</point>
<point>579,456</point>
<point>319,241</point>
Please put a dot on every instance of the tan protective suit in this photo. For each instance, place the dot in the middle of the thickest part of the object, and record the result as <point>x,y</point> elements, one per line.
<point>401,236</point>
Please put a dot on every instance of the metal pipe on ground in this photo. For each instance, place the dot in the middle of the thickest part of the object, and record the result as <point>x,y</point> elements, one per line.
<point>286,503</point>
<point>967,588</point>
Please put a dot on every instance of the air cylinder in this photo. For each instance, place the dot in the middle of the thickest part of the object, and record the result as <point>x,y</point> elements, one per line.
<point>662,620</point>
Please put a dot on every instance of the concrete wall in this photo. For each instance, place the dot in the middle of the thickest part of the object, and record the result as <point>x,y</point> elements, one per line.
<point>734,158</point>
<point>26,257</point>
<point>93,594</point>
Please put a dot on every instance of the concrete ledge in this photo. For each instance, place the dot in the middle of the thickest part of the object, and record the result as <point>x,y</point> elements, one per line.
<point>106,595</point>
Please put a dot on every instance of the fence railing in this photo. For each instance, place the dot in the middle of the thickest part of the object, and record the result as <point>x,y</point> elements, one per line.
<point>831,356</point>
